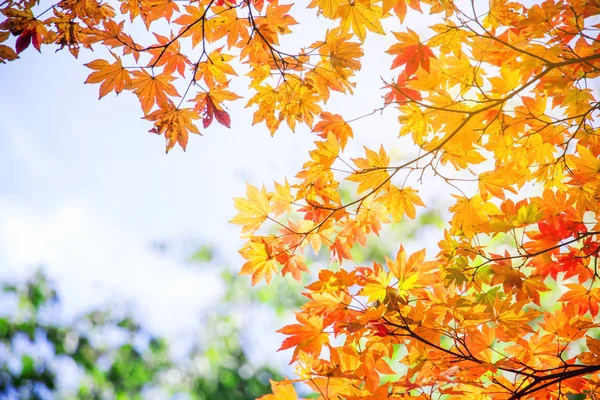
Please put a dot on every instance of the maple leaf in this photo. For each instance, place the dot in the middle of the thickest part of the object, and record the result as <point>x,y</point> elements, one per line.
<point>495,183</point>
<point>281,201</point>
<point>253,210</point>
<point>153,10</point>
<point>24,25</point>
<point>307,336</point>
<point>7,54</point>
<point>225,23</point>
<point>341,250</point>
<point>412,271</point>
<point>292,264</point>
<point>472,215</point>
<point>27,37</point>
<point>410,52</point>
<point>585,299</point>
<point>277,18</point>
<point>377,285</point>
<point>508,80</point>
<point>131,8</point>
<point>281,391</point>
<point>335,124</point>
<point>528,214</point>
<point>175,123</point>
<point>152,90</point>
<point>209,104</point>
<point>402,202</point>
<point>215,68</point>
<point>211,111</point>
<point>373,170</point>
<point>449,38</point>
<point>400,7</point>
<point>168,56</point>
<point>587,166</point>
<point>591,357</point>
<point>400,93</point>
<point>339,51</point>
<point>472,100</point>
<point>110,76</point>
<point>360,16</point>
<point>260,263</point>
<point>327,8</point>
<point>576,101</point>
<point>189,23</point>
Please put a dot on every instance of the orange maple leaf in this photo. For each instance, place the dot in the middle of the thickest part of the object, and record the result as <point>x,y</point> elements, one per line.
<point>215,68</point>
<point>335,124</point>
<point>110,76</point>
<point>307,336</point>
<point>175,123</point>
<point>169,56</point>
<point>400,7</point>
<point>400,93</point>
<point>281,391</point>
<point>152,90</point>
<point>410,52</point>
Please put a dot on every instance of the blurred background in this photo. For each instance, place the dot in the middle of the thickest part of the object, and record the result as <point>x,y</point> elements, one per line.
<point>118,268</point>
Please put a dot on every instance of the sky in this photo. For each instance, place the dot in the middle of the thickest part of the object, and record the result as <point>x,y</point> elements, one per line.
<point>85,190</point>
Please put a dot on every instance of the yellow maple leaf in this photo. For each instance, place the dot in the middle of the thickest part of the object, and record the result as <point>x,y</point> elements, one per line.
<point>360,16</point>
<point>277,18</point>
<point>449,38</point>
<point>376,287</point>
<point>259,262</point>
<point>509,80</point>
<point>472,215</point>
<point>400,7</point>
<point>587,166</point>
<point>495,183</point>
<point>373,170</point>
<point>300,102</point>
<point>412,272</point>
<point>253,211</point>
<point>281,201</point>
<point>326,8</point>
<point>528,214</point>
<point>576,101</point>
<point>339,51</point>
<point>266,98</point>
<point>402,202</point>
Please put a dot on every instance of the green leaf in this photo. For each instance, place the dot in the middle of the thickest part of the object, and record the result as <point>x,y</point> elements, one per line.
<point>203,254</point>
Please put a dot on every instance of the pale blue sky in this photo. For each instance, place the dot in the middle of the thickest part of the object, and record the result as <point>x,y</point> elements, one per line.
<point>85,189</point>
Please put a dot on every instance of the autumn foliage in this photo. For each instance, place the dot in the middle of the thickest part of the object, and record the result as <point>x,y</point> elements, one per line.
<point>497,98</point>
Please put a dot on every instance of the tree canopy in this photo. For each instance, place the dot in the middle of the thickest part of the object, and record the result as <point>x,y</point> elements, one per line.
<point>498,101</point>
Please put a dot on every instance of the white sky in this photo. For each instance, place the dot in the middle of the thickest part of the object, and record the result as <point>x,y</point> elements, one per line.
<point>85,189</point>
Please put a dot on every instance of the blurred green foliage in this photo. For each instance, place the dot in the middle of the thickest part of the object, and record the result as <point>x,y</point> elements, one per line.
<point>112,356</point>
